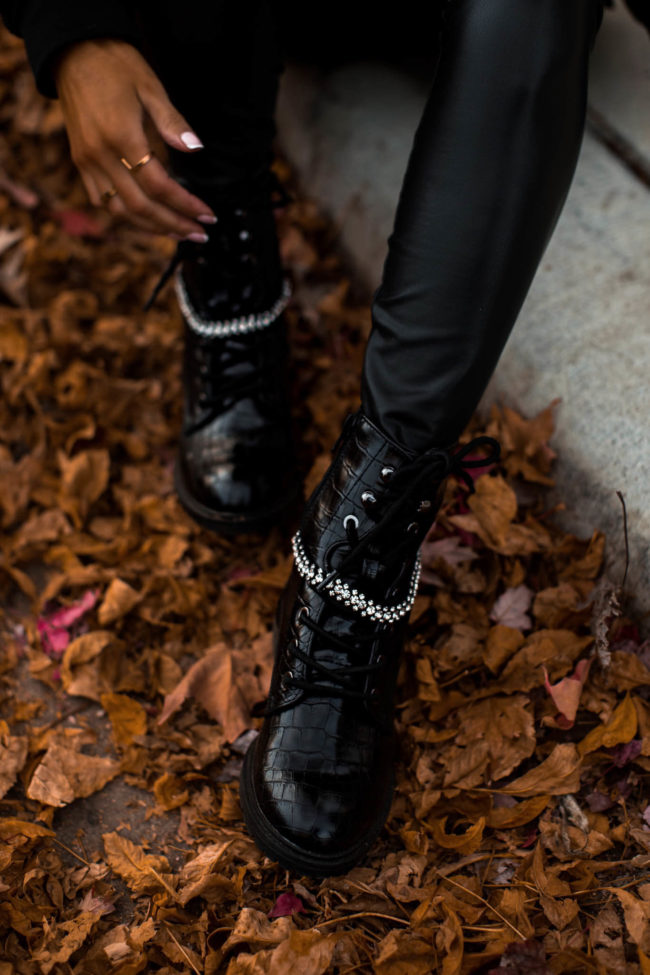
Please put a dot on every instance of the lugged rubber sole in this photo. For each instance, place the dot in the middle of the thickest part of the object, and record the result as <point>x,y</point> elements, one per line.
<point>287,854</point>
<point>226,522</point>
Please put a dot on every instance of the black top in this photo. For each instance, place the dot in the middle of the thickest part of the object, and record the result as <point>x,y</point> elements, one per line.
<point>48,26</point>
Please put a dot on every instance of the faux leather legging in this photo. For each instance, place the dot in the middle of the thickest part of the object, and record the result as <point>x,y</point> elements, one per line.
<point>488,174</point>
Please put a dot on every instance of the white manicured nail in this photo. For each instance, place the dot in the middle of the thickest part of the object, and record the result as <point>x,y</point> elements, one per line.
<point>207,218</point>
<point>197,238</point>
<point>191,140</point>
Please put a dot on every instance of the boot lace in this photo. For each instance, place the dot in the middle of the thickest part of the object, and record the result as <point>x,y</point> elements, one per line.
<point>402,489</point>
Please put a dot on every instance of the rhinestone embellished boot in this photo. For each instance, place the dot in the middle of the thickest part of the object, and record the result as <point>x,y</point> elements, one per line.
<point>317,783</point>
<point>235,469</point>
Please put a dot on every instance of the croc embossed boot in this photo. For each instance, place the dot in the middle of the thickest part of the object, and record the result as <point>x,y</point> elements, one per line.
<point>235,469</point>
<point>317,782</point>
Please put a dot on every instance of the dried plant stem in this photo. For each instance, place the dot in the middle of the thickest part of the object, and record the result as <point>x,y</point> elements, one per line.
<point>181,949</point>
<point>355,917</point>
<point>486,903</point>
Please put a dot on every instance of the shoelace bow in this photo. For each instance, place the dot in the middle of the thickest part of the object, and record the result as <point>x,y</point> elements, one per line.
<point>266,193</point>
<point>403,487</point>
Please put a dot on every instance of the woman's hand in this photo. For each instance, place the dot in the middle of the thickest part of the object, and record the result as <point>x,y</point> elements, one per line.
<point>105,88</point>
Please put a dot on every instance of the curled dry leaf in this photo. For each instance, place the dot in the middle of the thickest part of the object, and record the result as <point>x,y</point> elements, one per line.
<point>566,693</point>
<point>557,775</point>
<point>620,728</point>
<point>118,600</point>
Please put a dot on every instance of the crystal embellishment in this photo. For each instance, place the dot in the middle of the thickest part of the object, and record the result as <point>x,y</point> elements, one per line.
<point>233,326</point>
<point>352,598</point>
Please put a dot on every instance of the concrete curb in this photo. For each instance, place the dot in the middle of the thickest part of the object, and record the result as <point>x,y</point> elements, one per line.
<point>584,332</point>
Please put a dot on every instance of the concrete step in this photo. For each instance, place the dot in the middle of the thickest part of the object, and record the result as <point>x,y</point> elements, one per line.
<point>584,332</point>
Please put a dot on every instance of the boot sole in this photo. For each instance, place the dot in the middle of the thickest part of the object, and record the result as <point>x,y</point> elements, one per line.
<point>287,854</point>
<point>228,523</point>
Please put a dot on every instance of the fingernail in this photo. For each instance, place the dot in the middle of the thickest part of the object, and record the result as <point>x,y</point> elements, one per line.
<point>207,218</point>
<point>191,140</point>
<point>197,238</point>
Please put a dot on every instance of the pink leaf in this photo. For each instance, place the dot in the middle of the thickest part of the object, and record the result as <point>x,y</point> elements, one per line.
<point>511,608</point>
<point>646,815</point>
<point>54,628</point>
<point>566,693</point>
<point>285,905</point>
<point>77,223</point>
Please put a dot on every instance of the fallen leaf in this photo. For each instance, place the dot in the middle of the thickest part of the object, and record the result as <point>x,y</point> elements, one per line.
<point>65,774</point>
<point>566,693</point>
<point>621,727</point>
<point>143,872</point>
<point>511,608</point>
<point>557,775</point>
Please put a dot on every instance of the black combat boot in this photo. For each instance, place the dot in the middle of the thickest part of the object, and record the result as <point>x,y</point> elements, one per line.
<point>235,469</point>
<point>317,783</point>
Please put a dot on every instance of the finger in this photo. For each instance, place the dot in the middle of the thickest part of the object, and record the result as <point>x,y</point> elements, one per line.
<point>160,187</point>
<point>91,187</point>
<point>173,127</point>
<point>143,209</point>
<point>115,205</point>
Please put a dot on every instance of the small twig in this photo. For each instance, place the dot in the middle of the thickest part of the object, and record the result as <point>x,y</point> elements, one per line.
<point>180,947</point>
<point>483,901</point>
<point>620,497</point>
<point>67,848</point>
<point>354,917</point>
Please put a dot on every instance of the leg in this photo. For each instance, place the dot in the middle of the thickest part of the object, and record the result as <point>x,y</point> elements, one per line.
<point>489,171</point>
<point>220,64</point>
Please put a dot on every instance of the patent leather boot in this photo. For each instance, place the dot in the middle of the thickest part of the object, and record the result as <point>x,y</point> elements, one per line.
<point>235,469</point>
<point>317,782</point>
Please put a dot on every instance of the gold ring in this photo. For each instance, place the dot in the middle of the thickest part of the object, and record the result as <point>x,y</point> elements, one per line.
<point>140,163</point>
<point>108,195</point>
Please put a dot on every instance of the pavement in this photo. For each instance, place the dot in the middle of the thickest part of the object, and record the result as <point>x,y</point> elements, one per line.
<point>583,335</point>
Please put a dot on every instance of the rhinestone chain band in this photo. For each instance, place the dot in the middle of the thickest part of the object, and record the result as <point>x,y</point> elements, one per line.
<point>352,597</point>
<point>234,326</point>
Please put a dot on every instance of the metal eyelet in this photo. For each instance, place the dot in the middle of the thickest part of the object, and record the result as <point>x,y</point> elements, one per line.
<point>351,519</point>
<point>303,611</point>
<point>424,505</point>
<point>368,498</point>
<point>413,527</point>
<point>380,658</point>
<point>387,473</point>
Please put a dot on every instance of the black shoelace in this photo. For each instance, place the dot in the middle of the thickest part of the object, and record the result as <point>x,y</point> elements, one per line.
<point>404,486</point>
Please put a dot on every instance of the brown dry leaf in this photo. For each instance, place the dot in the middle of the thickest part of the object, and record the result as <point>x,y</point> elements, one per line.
<point>518,815</point>
<point>128,718</point>
<point>253,928</point>
<point>450,944</point>
<point>557,775</point>
<point>65,774</point>
<point>495,735</point>
<point>466,842</point>
<point>169,791</point>
<point>620,728</point>
<point>62,940</point>
<point>84,478</point>
<point>143,872</point>
<point>502,642</point>
<point>13,752</point>
<point>204,873</point>
<point>637,917</point>
<point>91,664</point>
<point>220,686</point>
<point>118,600</point>
<point>494,505</point>
<point>557,650</point>
<point>404,953</point>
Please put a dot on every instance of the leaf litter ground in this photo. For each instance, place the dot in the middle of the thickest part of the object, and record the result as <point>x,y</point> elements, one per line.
<point>134,645</point>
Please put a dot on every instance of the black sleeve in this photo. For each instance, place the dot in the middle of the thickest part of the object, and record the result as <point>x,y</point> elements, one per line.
<point>47,26</point>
